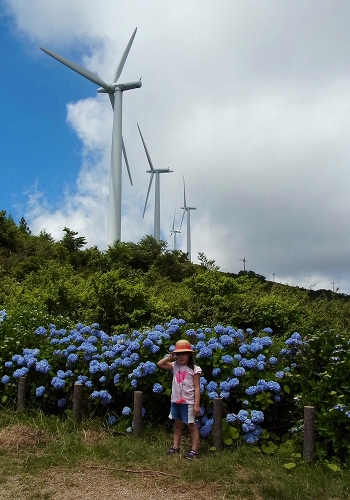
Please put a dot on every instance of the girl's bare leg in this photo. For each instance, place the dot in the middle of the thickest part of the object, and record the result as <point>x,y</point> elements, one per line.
<point>179,427</point>
<point>194,436</point>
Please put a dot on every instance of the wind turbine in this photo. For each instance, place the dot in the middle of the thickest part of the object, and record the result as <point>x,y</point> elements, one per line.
<point>187,210</point>
<point>157,173</point>
<point>174,232</point>
<point>115,92</point>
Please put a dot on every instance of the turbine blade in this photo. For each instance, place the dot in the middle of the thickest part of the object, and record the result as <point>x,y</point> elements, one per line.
<point>184,193</point>
<point>78,69</point>
<point>147,153</point>
<point>120,67</point>
<point>174,221</point>
<point>126,161</point>
<point>149,188</point>
<point>111,98</point>
<point>183,215</point>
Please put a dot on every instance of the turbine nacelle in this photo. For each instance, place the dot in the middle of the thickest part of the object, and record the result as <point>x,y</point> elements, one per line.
<point>120,86</point>
<point>159,170</point>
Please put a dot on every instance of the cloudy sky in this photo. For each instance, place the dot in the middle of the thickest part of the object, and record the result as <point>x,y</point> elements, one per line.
<point>249,100</point>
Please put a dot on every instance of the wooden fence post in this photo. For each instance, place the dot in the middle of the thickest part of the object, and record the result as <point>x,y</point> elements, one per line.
<point>138,400</point>
<point>309,434</point>
<point>217,424</point>
<point>21,394</point>
<point>77,397</point>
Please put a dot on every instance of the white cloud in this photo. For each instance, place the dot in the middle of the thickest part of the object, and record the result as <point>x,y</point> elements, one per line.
<point>248,100</point>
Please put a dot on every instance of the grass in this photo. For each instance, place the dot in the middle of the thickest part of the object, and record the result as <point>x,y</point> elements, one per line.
<point>46,458</point>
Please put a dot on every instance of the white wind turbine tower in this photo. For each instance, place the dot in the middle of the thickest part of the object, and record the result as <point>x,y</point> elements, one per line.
<point>174,232</point>
<point>157,173</point>
<point>187,210</point>
<point>115,92</point>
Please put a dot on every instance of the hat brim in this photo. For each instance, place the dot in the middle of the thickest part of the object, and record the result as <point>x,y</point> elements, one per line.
<point>177,351</point>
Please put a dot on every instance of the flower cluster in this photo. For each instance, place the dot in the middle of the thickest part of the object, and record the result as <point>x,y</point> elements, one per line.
<point>238,366</point>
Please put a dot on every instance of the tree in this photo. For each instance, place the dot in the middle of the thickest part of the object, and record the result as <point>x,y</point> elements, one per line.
<point>23,226</point>
<point>206,263</point>
<point>70,242</point>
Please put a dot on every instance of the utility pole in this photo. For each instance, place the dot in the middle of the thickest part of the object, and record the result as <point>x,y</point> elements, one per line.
<point>273,276</point>
<point>333,285</point>
<point>244,261</point>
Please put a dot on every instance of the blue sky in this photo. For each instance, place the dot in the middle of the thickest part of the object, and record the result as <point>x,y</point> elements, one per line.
<point>38,148</point>
<point>249,101</point>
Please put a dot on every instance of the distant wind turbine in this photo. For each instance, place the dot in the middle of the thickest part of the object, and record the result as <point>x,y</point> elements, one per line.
<point>157,173</point>
<point>187,210</point>
<point>174,232</point>
<point>115,92</point>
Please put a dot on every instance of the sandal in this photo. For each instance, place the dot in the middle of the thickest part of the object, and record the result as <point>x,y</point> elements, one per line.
<point>173,450</point>
<point>192,455</point>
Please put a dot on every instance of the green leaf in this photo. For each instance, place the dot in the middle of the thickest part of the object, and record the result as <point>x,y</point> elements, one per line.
<point>290,465</point>
<point>265,434</point>
<point>228,441</point>
<point>270,448</point>
<point>256,449</point>
<point>334,468</point>
<point>4,399</point>
<point>234,433</point>
<point>286,389</point>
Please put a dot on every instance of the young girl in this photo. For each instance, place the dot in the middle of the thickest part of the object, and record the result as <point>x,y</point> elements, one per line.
<point>185,394</point>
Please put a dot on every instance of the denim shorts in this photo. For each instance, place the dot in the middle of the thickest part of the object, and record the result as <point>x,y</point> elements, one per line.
<point>184,412</point>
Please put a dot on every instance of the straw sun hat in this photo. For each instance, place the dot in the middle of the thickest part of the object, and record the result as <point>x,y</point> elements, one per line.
<point>183,346</point>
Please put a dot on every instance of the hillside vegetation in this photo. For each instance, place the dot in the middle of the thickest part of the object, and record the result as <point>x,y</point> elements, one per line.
<point>133,285</point>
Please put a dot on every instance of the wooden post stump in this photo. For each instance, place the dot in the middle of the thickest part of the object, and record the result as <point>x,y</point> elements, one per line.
<point>309,434</point>
<point>138,400</point>
<point>77,398</point>
<point>21,394</point>
<point>217,424</point>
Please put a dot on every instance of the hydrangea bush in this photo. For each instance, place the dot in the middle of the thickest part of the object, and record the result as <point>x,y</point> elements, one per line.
<point>252,372</point>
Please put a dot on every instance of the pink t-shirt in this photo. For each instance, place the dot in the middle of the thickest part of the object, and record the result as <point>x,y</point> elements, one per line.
<point>182,390</point>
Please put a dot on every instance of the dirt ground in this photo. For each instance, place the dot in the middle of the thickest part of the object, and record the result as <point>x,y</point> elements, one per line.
<point>92,484</point>
<point>90,481</point>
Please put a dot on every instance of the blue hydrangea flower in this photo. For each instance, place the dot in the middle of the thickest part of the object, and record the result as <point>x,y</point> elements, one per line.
<point>62,402</point>
<point>72,358</point>
<point>226,340</point>
<point>205,352</point>
<point>231,418</point>
<point>157,388</point>
<point>233,382</point>
<point>212,395</point>
<point>224,395</point>
<point>40,331</point>
<point>112,420</point>
<point>212,386</point>
<point>126,411</point>
<point>239,371</point>
<point>242,415</point>
<point>216,372</point>
<point>8,364</point>
<point>257,416</point>
<point>224,386</point>
<point>5,379</point>
<point>58,383</point>
<point>273,360</point>
<point>20,372</point>
<point>280,374</point>
<point>39,391</point>
<point>227,359</point>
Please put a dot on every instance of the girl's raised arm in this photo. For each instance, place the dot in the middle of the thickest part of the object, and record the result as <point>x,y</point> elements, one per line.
<point>166,363</point>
